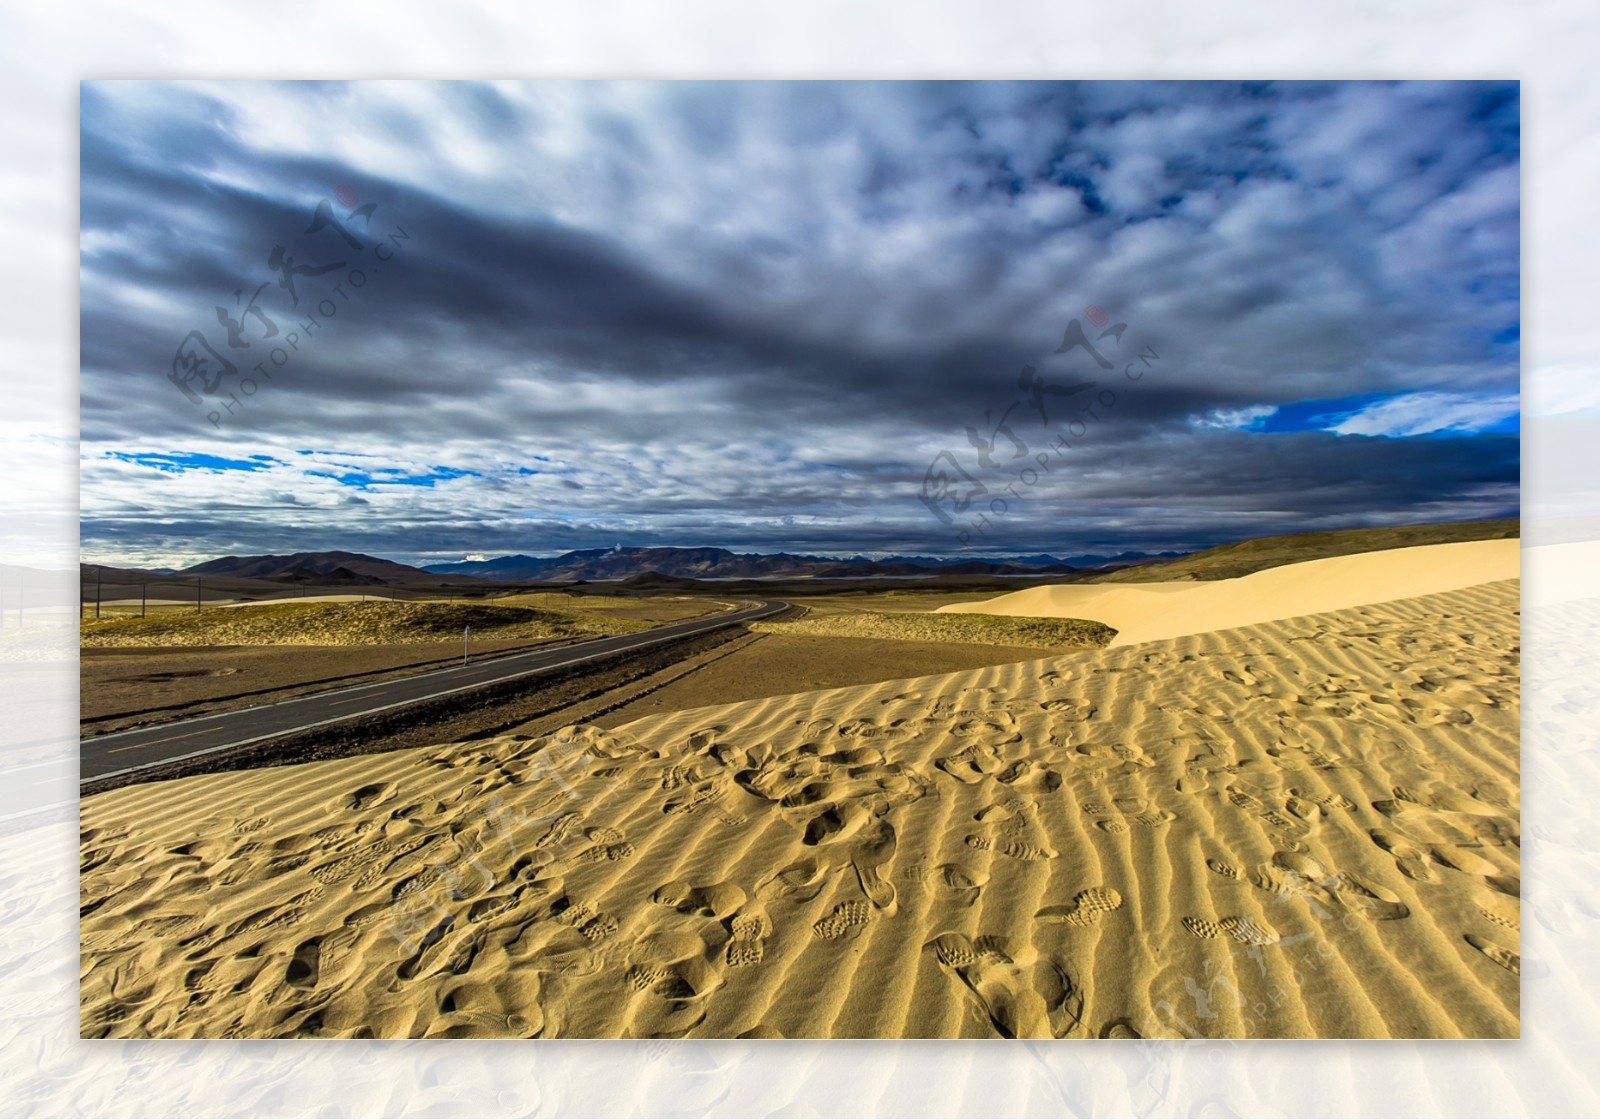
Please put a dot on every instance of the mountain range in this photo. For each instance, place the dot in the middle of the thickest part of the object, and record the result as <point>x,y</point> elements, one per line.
<point>720,563</point>
<point>354,569</point>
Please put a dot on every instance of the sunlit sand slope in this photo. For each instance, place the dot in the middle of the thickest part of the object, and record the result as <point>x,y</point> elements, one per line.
<point>1145,612</point>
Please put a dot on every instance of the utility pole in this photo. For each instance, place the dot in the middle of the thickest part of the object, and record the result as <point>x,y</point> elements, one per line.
<point>99,569</point>
<point>141,599</point>
<point>466,635</point>
<point>196,594</point>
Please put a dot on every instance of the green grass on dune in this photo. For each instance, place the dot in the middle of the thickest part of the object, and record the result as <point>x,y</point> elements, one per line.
<point>338,624</point>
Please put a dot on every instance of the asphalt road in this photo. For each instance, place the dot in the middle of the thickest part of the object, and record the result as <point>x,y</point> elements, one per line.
<point>141,748</point>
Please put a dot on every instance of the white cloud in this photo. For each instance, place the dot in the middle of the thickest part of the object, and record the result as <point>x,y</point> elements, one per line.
<point>1235,417</point>
<point>1417,414</point>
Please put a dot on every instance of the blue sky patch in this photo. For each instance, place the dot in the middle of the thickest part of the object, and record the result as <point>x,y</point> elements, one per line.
<point>1315,416</point>
<point>177,462</point>
<point>394,476</point>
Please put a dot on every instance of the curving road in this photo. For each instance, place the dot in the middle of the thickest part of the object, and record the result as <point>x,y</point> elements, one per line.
<point>141,748</point>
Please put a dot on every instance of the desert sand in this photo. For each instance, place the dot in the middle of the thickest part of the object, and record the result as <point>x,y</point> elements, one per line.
<point>1305,827</point>
<point>1147,611</point>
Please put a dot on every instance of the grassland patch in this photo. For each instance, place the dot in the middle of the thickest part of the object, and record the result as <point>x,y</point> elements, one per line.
<point>1036,633</point>
<point>354,624</point>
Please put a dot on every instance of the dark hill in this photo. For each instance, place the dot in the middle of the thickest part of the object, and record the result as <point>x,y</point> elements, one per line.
<point>313,567</point>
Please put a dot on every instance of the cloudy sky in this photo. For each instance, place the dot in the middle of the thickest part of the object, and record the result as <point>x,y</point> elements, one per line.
<point>529,317</point>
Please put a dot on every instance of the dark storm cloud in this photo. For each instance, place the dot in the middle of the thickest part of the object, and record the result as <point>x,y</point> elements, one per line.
<point>752,314</point>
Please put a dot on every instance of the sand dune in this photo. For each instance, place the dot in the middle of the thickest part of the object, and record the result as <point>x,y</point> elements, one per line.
<point>1299,828</point>
<point>1145,612</point>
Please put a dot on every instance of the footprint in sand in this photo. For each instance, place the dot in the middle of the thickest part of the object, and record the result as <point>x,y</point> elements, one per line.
<point>1085,909</point>
<point>1304,809</point>
<point>1136,809</point>
<point>996,726</point>
<point>695,797</point>
<point>972,764</point>
<point>585,918</point>
<point>1326,801</point>
<point>1411,861</point>
<point>749,928</point>
<point>870,854</point>
<point>562,829</point>
<point>1368,899</point>
<point>870,728</point>
<point>439,951</point>
<point>715,900</point>
<point>605,853</point>
<point>674,778</point>
<point>705,738</point>
<point>1105,756</point>
<point>1016,849</point>
<point>1302,873</point>
<point>800,881</point>
<point>1449,816</point>
<point>1030,775</point>
<point>998,812</point>
<point>960,883</point>
<point>841,821</point>
<point>847,919</point>
<point>1253,804</point>
<point>674,966</point>
<point>1016,993</point>
<point>1500,911</point>
<point>539,874</point>
<point>1141,812</point>
<point>346,867</point>
<point>1242,928</point>
<point>1070,711</point>
<point>1499,954</point>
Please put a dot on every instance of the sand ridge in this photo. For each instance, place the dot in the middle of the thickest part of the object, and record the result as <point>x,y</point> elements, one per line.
<point>1302,828</point>
<point>1148,611</point>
